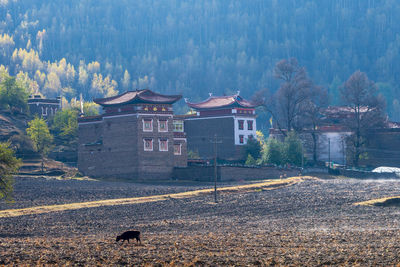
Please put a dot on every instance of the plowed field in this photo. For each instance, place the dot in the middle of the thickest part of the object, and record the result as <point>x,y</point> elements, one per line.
<point>306,222</point>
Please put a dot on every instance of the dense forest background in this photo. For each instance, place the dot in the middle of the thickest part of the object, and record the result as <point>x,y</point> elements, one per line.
<point>99,48</point>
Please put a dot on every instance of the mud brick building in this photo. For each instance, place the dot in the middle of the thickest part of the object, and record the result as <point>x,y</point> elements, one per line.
<point>134,138</point>
<point>44,107</point>
<point>231,118</point>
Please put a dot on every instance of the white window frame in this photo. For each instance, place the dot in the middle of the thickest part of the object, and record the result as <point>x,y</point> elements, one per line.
<point>241,136</point>
<point>166,126</point>
<point>159,145</point>
<point>144,144</point>
<point>180,149</point>
<point>151,123</point>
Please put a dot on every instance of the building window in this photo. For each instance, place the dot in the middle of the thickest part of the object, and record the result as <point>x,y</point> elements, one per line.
<point>178,126</point>
<point>163,126</point>
<point>241,139</point>
<point>44,111</point>
<point>241,124</point>
<point>147,125</point>
<point>178,149</point>
<point>148,144</point>
<point>250,137</point>
<point>163,144</point>
<point>250,125</point>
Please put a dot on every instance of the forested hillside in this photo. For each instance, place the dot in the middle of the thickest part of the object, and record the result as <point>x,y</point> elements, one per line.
<point>194,47</point>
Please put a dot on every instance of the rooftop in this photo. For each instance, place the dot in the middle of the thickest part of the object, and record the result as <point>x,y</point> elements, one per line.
<point>222,101</point>
<point>138,96</point>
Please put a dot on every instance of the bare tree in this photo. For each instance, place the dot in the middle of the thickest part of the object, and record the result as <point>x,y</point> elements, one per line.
<point>360,94</point>
<point>295,90</point>
<point>285,106</point>
<point>312,115</point>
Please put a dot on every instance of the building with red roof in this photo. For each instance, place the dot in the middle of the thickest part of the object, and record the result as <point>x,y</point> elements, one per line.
<point>232,119</point>
<point>134,138</point>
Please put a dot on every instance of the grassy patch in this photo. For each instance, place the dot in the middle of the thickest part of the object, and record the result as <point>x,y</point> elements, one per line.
<point>266,185</point>
<point>381,202</point>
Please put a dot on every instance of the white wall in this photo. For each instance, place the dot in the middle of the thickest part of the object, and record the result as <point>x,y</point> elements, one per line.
<point>244,132</point>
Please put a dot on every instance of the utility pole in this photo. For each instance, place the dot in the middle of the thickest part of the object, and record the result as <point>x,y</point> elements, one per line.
<point>215,142</point>
<point>302,156</point>
<point>343,152</point>
<point>329,153</point>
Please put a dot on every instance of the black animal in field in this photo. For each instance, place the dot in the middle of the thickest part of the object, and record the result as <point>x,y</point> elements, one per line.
<point>129,235</point>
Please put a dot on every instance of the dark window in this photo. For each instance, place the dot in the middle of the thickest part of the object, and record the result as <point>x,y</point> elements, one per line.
<point>250,125</point>
<point>241,139</point>
<point>241,123</point>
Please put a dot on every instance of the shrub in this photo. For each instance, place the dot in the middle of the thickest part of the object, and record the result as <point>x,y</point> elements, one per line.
<point>293,149</point>
<point>250,161</point>
<point>274,152</point>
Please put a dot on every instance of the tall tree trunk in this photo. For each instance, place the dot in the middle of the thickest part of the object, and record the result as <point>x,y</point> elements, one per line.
<point>314,137</point>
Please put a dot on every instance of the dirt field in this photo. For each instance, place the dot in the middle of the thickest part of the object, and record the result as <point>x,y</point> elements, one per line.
<point>310,222</point>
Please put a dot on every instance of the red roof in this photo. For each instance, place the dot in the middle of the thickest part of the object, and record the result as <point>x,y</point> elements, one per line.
<point>222,101</point>
<point>138,96</point>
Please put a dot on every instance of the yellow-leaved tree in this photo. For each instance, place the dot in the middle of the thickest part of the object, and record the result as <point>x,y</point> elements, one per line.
<point>41,138</point>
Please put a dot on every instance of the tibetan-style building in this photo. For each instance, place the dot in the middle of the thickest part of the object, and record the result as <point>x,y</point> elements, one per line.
<point>44,107</point>
<point>134,138</point>
<point>231,119</point>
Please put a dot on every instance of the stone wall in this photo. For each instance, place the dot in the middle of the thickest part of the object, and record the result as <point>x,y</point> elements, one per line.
<point>254,173</point>
<point>231,173</point>
<point>383,148</point>
<point>365,174</point>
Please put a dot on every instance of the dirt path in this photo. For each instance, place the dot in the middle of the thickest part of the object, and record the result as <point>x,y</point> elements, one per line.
<point>266,185</point>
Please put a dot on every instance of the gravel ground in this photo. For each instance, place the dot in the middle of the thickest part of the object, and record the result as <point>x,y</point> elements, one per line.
<point>310,223</point>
